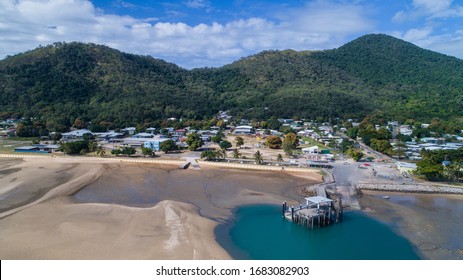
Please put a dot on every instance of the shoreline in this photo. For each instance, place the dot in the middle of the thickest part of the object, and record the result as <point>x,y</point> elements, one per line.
<point>179,220</point>
<point>208,197</point>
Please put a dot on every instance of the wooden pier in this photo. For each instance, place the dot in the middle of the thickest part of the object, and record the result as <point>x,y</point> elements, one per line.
<point>318,211</point>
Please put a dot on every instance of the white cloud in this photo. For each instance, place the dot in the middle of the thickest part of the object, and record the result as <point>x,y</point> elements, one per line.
<point>435,30</point>
<point>24,24</point>
<point>446,43</point>
<point>197,4</point>
<point>330,17</point>
<point>415,35</point>
<point>430,9</point>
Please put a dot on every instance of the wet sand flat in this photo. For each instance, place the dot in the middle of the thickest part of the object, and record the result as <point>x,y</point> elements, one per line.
<point>215,191</point>
<point>431,222</point>
<point>22,182</point>
<point>129,211</point>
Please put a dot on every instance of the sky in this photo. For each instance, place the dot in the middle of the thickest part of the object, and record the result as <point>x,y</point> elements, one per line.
<point>212,33</point>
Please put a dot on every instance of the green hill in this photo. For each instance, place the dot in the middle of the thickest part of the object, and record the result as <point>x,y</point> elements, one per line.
<point>374,74</point>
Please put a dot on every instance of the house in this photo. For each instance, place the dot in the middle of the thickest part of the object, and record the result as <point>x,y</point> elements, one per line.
<point>150,130</point>
<point>432,140</point>
<point>244,129</point>
<point>311,150</point>
<point>101,136</point>
<point>155,145</point>
<point>326,129</point>
<point>143,135</point>
<point>285,121</point>
<point>179,133</point>
<point>405,130</point>
<point>76,134</point>
<point>38,148</point>
<point>129,130</point>
<point>405,167</point>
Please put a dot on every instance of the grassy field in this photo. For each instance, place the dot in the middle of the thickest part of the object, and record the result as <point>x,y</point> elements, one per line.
<point>8,145</point>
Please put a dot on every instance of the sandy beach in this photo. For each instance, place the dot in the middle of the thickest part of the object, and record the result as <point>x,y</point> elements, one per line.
<point>53,208</point>
<point>66,208</point>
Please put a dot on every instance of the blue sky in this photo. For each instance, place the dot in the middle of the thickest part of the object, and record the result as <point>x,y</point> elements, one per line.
<point>198,33</point>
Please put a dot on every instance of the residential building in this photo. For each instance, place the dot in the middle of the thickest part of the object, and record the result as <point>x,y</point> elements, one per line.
<point>244,129</point>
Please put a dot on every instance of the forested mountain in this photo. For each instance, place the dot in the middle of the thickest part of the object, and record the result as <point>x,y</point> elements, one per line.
<point>374,74</point>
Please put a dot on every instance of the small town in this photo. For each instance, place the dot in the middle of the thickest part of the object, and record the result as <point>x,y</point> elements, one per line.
<point>280,142</point>
<point>314,134</point>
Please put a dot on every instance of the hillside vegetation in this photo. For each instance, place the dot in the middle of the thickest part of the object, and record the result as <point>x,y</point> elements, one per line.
<point>374,74</point>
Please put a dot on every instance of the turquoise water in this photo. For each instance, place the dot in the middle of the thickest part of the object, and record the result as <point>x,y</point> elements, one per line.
<point>259,232</point>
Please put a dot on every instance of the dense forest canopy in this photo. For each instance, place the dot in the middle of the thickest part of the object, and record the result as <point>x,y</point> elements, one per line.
<point>374,74</point>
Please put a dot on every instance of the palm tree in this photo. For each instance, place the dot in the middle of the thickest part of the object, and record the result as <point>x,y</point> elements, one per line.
<point>236,154</point>
<point>279,158</point>
<point>221,153</point>
<point>258,157</point>
<point>100,151</point>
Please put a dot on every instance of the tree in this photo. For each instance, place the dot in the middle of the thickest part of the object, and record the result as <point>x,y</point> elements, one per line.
<point>88,136</point>
<point>279,158</point>
<point>225,145</point>
<point>273,123</point>
<point>382,146</point>
<point>116,152</point>
<point>273,142</point>
<point>92,146</point>
<point>236,154</point>
<point>128,151</point>
<point>209,155</point>
<point>100,151</point>
<point>258,157</point>
<point>74,148</point>
<point>147,151</point>
<point>430,171</point>
<point>352,132</point>
<point>239,141</point>
<point>290,143</point>
<point>57,136</point>
<point>22,131</point>
<point>221,153</point>
<point>399,149</point>
<point>356,154</point>
<point>217,138</point>
<point>345,145</point>
<point>403,138</point>
<point>286,129</point>
<point>291,139</point>
<point>79,123</point>
<point>167,146</point>
<point>194,141</point>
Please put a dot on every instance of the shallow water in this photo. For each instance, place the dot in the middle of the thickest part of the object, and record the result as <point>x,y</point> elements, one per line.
<point>432,222</point>
<point>259,232</point>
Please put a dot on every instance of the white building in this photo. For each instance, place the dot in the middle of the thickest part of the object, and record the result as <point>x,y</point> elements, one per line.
<point>244,129</point>
<point>311,150</point>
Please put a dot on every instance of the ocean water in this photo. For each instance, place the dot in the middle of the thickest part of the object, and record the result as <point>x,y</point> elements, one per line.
<point>259,232</point>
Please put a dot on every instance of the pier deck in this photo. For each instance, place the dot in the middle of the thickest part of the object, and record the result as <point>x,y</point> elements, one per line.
<point>317,211</point>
